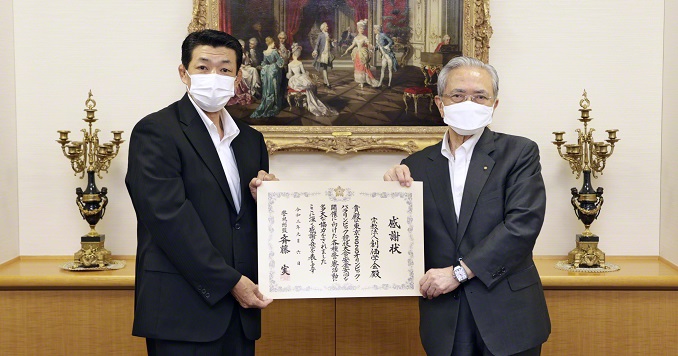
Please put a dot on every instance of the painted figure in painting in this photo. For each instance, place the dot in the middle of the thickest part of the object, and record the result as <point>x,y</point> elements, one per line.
<point>361,57</point>
<point>250,75</point>
<point>346,38</point>
<point>283,51</point>
<point>445,42</point>
<point>384,44</point>
<point>271,76</point>
<point>242,94</point>
<point>322,52</point>
<point>251,53</point>
<point>299,81</point>
<point>257,33</point>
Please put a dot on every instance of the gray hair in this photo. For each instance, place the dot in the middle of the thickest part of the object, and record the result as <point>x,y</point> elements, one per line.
<point>458,62</point>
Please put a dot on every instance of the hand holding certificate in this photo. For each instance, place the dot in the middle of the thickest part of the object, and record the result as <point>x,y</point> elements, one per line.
<point>340,239</point>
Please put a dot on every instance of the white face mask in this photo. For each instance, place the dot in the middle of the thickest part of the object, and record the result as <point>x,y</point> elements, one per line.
<point>467,117</point>
<point>211,91</point>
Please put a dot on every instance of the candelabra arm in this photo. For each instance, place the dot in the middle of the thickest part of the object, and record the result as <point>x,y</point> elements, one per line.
<point>101,168</point>
<point>560,152</point>
<point>575,166</point>
<point>611,151</point>
<point>63,150</point>
<point>78,167</point>
<point>574,163</point>
<point>597,165</point>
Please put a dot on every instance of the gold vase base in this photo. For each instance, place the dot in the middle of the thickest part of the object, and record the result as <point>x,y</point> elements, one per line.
<point>586,254</point>
<point>92,252</point>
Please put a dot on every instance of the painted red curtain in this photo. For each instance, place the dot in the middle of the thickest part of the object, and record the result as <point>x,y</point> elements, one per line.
<point>225,16</point>
<point>395,13</point>
<point>294,11</point>
<point>359,9</point>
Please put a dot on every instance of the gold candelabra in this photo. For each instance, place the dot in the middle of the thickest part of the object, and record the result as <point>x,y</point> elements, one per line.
<point>588,157</point>
<point>92,157</point>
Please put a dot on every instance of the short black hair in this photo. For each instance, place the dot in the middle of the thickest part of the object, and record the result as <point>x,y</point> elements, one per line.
<point>211,38</point>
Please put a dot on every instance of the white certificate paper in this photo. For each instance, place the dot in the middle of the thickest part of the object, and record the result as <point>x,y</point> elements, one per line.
<point>340,239</point>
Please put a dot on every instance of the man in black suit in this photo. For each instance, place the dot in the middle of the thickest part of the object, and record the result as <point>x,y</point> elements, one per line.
<point>484,205</point>
<point>190,178</point>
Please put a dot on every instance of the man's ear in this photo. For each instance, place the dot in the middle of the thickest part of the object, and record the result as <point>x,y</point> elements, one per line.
<point>496,102</point>
<point>439,105</point>
<point>438,101</point>
<point>183,76</point>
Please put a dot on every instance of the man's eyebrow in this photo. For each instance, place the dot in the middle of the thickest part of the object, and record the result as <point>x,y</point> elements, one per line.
<point>205,59</point>
<point>480,91</point>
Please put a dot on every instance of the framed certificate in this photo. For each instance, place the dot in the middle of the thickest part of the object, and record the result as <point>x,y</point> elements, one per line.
<point>340,239</point>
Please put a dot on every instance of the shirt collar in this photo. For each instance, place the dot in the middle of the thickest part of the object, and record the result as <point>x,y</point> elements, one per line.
<point>231,130</point>
<point>468,146</point>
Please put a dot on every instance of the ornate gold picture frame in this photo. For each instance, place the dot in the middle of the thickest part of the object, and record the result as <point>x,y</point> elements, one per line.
<point>474,41</point>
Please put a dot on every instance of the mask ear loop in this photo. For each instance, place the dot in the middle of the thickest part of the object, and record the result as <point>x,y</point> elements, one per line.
<point>189,77</point>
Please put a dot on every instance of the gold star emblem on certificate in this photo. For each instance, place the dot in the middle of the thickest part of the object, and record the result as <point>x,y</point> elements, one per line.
<point>339,191</point>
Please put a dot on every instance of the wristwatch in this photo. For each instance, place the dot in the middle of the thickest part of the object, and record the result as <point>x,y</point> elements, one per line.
<point>460,274</point>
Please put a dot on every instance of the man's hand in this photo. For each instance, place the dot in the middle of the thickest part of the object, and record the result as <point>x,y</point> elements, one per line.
<point>256,182</point>
<point>248,295</point>
<point>437,281</point>
<point>400,173</point>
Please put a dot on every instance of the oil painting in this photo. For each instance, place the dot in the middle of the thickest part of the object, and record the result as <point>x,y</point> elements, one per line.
<point>345,75</point>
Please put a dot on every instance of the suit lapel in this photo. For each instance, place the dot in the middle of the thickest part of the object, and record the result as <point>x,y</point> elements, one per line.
<point>478,171</point>
<point>439,178</point>
<point>196,132</point>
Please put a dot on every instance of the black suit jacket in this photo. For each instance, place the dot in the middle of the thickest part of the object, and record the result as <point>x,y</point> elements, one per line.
<point>501,214</point>
<point>192,245</point>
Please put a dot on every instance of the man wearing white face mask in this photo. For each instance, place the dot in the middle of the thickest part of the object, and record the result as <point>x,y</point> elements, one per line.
<point>484,205</point>
<point>193,173</point>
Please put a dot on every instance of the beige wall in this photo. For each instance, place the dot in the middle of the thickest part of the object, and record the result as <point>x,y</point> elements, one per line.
<point>9,203</point>
<point>668,247</point>
<point>127,53</point>
<point>546,54</point>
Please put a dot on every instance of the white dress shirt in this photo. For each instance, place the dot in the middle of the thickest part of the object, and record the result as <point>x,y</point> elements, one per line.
<point>224,149</point>
<point>458,164</point>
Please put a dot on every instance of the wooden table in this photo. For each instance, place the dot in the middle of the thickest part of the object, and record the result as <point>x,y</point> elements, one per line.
<point>48,311</point>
